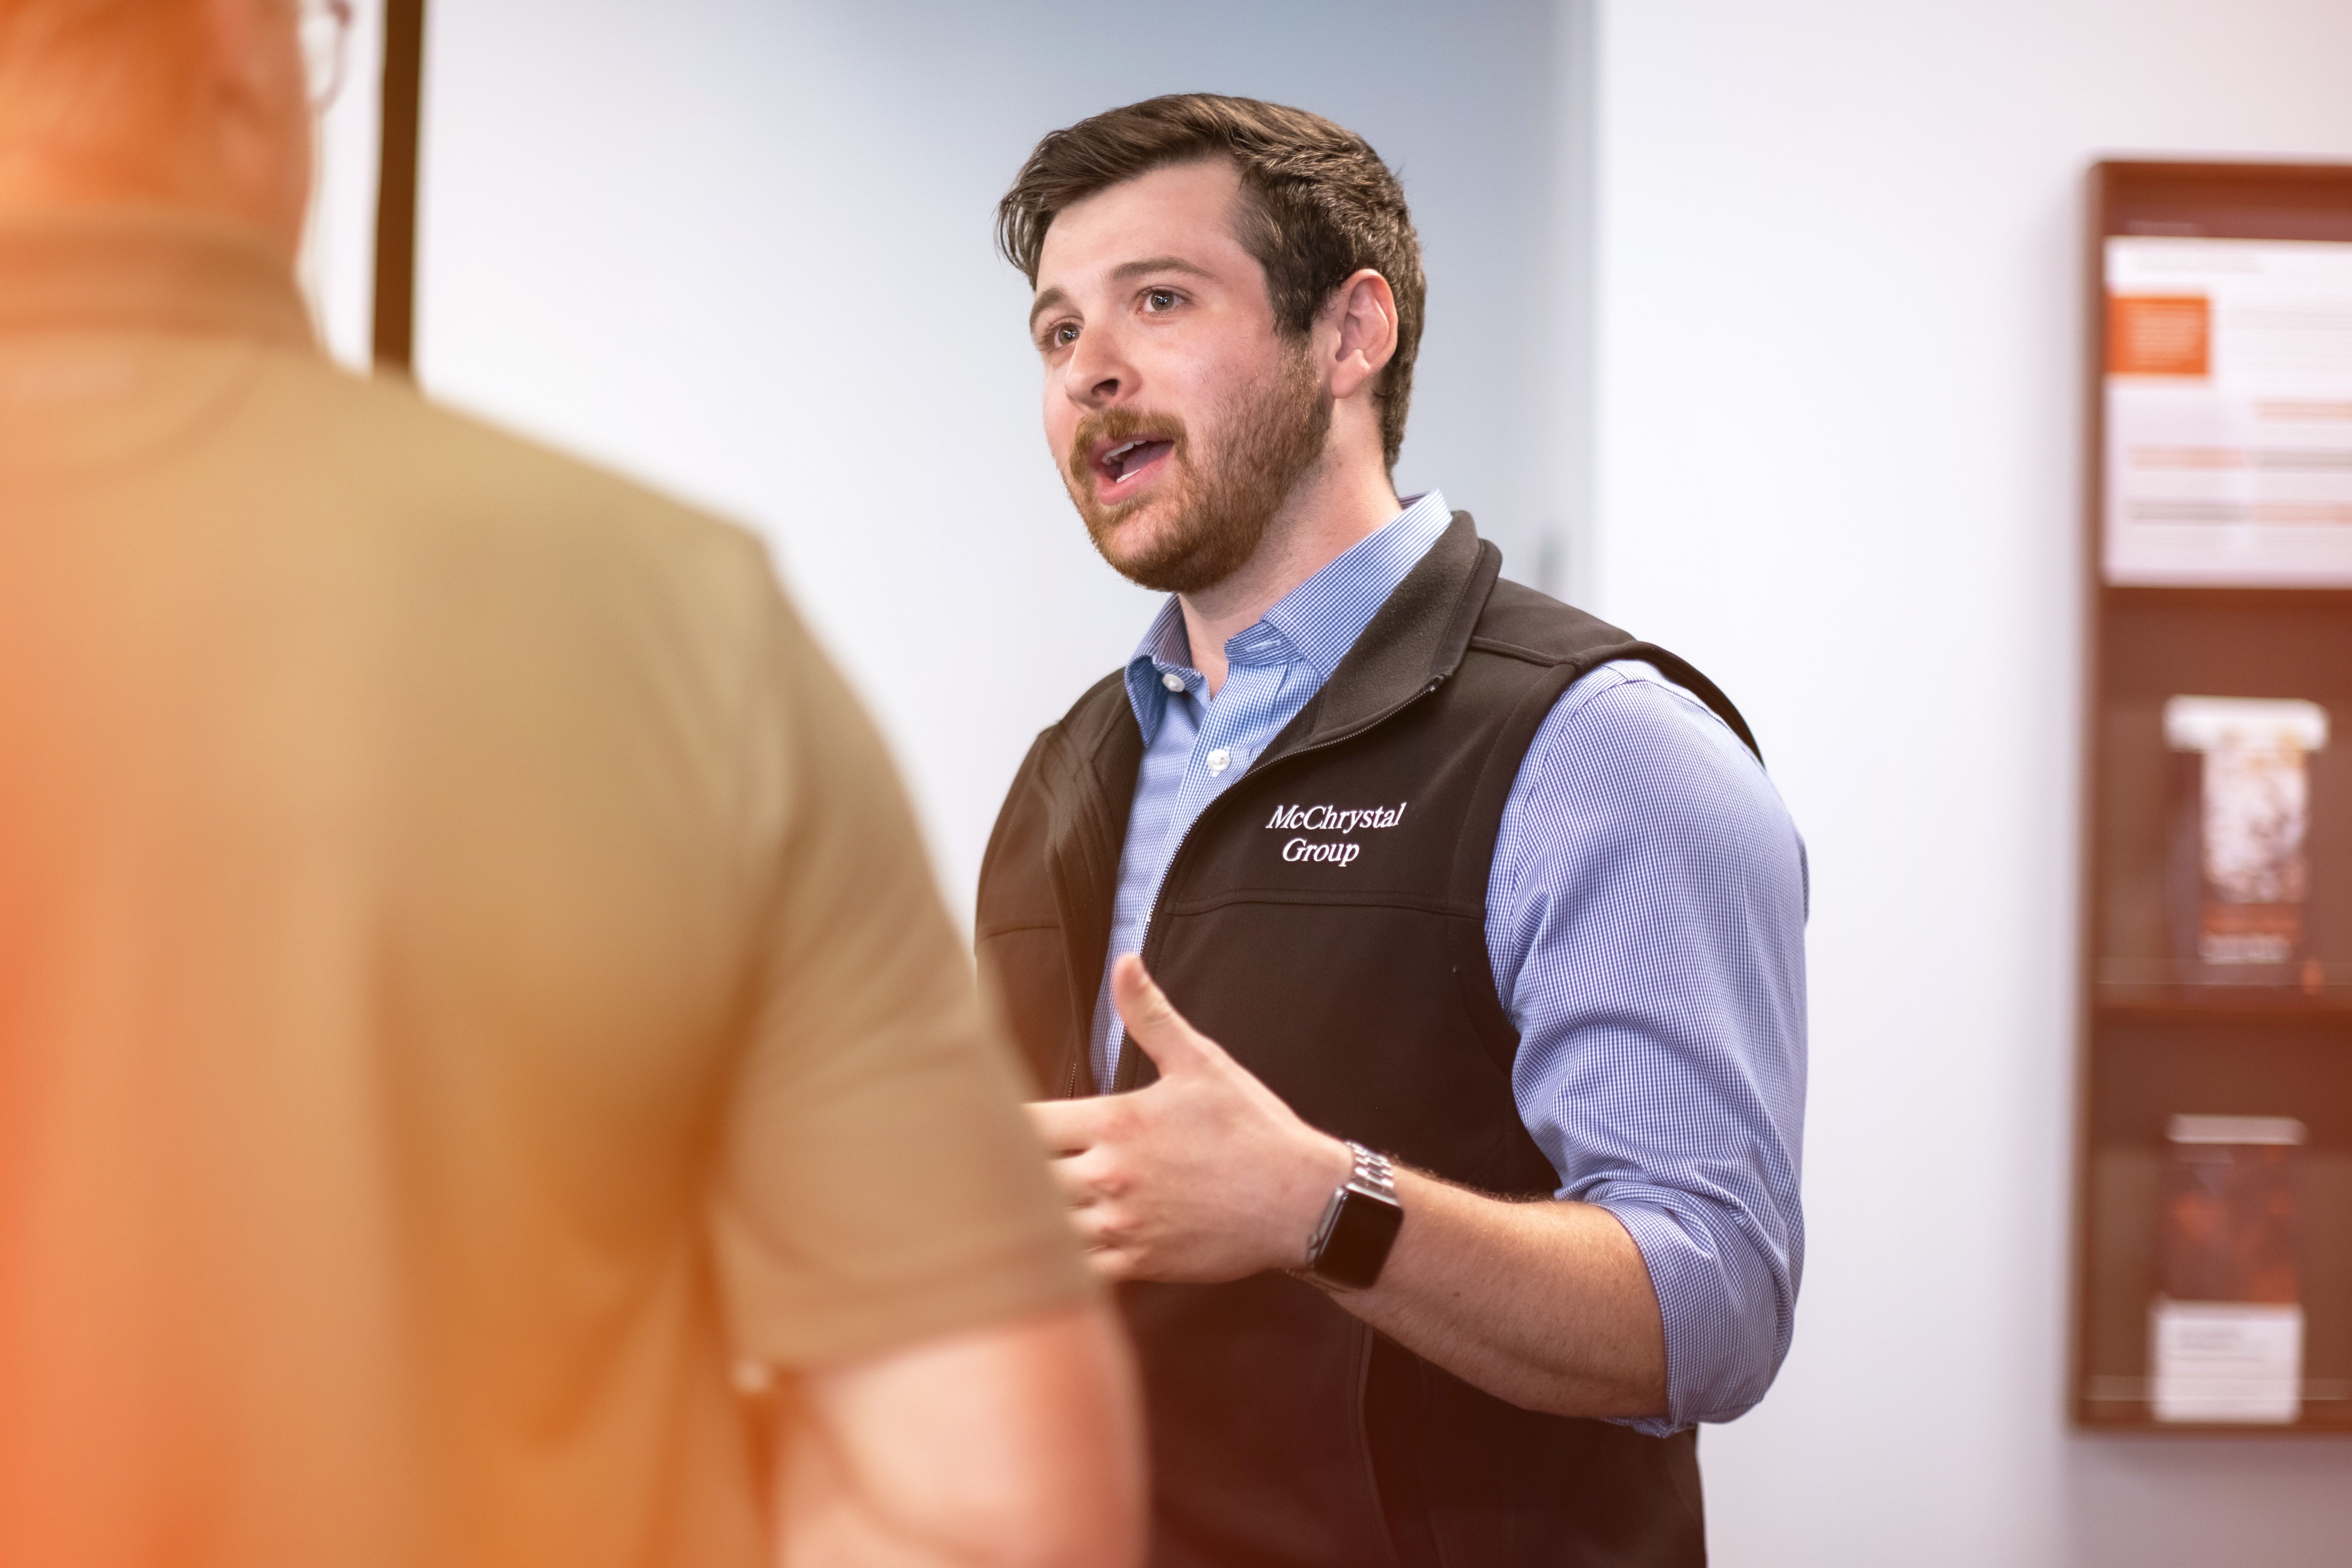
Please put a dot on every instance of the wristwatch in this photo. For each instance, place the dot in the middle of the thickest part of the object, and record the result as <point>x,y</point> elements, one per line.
<point>1358,1224</point>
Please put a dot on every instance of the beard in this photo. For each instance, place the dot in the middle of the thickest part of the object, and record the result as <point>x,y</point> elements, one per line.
<point>1223,497</point>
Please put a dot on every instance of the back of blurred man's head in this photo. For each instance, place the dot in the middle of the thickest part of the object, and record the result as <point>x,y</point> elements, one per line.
<point>197,104</point>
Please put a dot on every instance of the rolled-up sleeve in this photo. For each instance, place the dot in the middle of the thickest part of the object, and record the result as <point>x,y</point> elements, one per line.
<point>1645,919</point>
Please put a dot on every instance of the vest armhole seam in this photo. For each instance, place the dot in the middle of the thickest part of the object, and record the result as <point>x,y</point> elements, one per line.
<point>1522,653</point>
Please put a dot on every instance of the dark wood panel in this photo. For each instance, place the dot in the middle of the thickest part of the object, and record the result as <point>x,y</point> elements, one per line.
<point>394,327</point>
<point>2149,1067</point>
<point>2242,642</point>
<point>2229,201</point>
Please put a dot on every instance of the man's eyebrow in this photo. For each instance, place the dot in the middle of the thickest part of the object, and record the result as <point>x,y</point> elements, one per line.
<point>1124,272</point>
<point>1045,303</point>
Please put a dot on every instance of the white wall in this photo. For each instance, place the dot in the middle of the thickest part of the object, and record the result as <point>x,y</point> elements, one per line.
<point>742,247</point>
<point>1828,252</point>
<point>1839,393</point>
<point>337,265</point>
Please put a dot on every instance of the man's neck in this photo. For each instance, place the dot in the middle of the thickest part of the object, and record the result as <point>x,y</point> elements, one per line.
<point>31,200</point>
<point>1326,516</point>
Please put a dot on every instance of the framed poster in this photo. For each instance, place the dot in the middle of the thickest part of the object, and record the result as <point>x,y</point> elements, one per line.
<point>2229,412</point>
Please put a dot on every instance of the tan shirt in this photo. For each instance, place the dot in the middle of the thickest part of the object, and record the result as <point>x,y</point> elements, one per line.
<point>467,972</point>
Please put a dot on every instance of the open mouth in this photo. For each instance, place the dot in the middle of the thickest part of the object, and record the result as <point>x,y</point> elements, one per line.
<point>1119,466</point>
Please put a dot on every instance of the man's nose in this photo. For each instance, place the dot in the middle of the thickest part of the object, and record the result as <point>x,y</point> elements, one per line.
<point>1095,373</point>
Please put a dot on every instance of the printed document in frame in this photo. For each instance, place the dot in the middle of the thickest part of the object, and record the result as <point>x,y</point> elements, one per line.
<point>2229,413</point>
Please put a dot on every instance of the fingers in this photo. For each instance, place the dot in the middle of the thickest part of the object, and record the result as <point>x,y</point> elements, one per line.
<point>1101,1228</point>
<point>1110,1247</point>
<point>1066,1126</point>
<point>1141,1001</point>
<point>1075,1184</point>
<point>1152,1021</point>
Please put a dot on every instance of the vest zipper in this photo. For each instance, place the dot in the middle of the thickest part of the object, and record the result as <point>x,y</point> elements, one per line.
<point>1122,1076</point>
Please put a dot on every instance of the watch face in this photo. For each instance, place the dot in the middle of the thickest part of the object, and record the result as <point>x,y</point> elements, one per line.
<point>1361,1233</point>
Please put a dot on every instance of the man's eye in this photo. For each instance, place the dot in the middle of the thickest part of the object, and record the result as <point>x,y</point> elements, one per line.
<point>1160,299</point>
<point>1063,336</point>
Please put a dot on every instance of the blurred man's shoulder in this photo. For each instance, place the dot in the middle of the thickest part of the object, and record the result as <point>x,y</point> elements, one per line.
<point>438,457</point>
<point>503,504</point>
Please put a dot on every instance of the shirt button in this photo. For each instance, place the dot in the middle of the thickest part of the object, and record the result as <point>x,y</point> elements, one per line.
<point>1173,681</point>
<point>1219,760</point>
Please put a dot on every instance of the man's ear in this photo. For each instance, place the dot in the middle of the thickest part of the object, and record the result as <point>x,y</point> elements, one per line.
<point>1363,308</point>
<point>257,113</point>
<point>230,38</point>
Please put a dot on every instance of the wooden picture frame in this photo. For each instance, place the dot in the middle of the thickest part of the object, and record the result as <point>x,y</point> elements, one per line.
<point>394,329</point>
<point>2159,1037</point>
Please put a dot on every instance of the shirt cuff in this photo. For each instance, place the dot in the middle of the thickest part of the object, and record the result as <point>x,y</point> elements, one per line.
<point>1725,1309</point>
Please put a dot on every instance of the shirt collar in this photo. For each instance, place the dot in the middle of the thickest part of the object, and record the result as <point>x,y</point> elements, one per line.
<point>1317,622</point>
<point>1164,651</point>
<point>1323,617</point>
<point>146,267</point>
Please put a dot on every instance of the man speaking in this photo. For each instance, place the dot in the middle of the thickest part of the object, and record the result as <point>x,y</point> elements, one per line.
<point>1445,1123</point>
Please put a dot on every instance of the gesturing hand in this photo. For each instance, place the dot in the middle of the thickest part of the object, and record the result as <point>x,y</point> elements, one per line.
<point>1203,1177</point>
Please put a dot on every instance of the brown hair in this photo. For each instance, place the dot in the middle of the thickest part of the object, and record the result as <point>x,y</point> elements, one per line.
<point>1319,205</point>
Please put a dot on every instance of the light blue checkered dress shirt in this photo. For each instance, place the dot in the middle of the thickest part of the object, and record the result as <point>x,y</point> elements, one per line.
<point>1645,919</point>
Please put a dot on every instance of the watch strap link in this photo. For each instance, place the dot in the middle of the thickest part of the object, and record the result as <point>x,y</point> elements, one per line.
<point>1373,1173</point>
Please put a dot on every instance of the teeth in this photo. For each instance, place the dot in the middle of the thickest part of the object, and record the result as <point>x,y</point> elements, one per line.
<point>1115,453</point>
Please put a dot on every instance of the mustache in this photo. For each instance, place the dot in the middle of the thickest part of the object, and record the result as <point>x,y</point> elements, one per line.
<point>1118,425</point>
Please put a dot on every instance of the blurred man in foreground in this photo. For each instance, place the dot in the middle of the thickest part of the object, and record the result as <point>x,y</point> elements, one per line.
<point>472,1004</point>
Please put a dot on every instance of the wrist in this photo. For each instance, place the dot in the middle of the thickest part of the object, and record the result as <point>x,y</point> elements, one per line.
<point>1324,1165</point>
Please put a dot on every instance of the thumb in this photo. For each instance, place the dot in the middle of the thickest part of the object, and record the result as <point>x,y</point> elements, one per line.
<point>1152,1021</point>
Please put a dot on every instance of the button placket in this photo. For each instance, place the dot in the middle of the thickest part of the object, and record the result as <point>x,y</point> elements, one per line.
<point>1250,687</point>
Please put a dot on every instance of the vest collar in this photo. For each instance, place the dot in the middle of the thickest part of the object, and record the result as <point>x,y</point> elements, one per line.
<point>1413,644</point>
